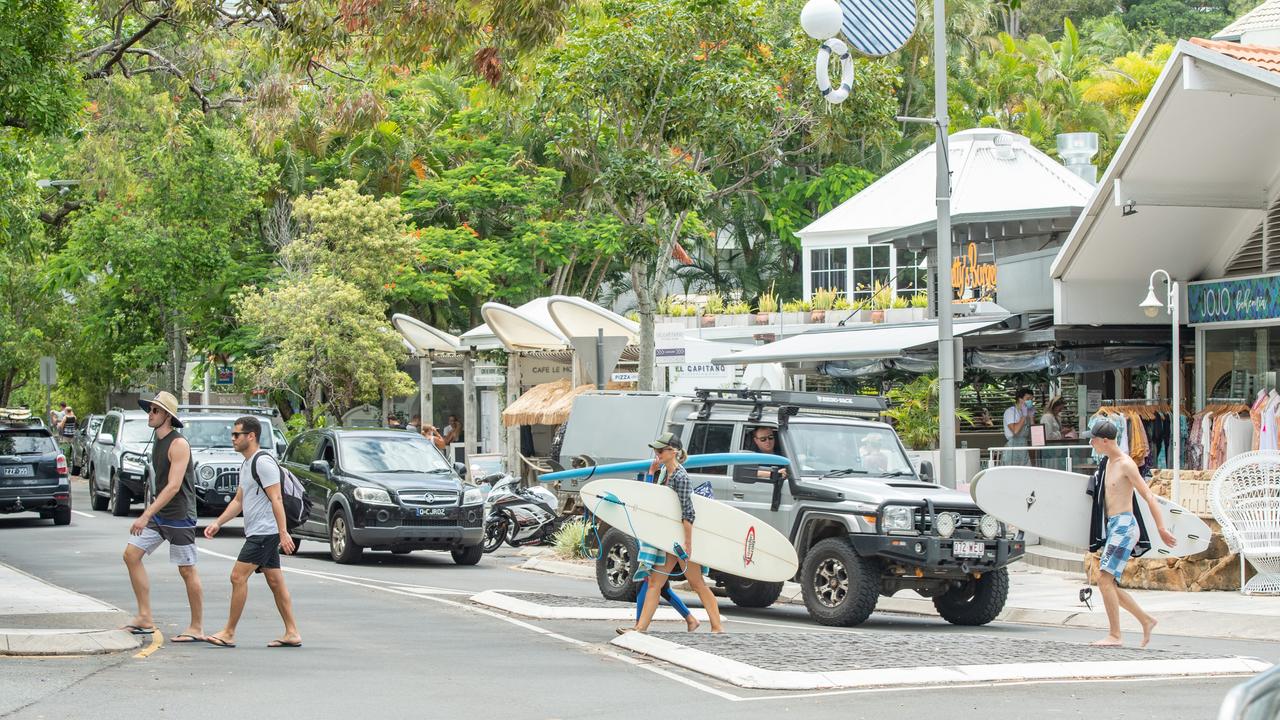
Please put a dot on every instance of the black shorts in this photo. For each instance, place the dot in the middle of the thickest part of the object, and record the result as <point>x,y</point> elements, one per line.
<point>261,550</point>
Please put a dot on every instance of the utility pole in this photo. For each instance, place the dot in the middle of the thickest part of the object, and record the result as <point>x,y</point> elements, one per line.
<point>946,342</point>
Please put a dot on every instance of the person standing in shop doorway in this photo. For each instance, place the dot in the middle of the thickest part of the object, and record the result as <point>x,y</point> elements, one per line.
<point>1017,427</point>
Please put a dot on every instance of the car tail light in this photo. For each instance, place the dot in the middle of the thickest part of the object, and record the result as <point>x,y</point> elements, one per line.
<point>62,465</point>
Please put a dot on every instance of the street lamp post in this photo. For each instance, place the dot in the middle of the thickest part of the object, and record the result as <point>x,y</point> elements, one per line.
<point>1152,306</point>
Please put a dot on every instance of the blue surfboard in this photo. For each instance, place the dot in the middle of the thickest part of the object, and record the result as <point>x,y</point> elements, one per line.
<point>693,462</point>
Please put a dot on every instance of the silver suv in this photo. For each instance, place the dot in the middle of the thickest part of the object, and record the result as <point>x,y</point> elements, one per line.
<point>119,461</point>
<point>217,465</point>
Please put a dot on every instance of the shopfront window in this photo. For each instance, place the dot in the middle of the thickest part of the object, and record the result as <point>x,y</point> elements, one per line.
<point>1238,362</point>
<point>828,269</point>
<point>911,272</point>
<point>872,265</point>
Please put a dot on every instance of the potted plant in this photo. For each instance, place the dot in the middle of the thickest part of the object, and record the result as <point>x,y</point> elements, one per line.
<point>823,300</point>
<point>880,300</point>
<point>793,312</point>
<point>713,306</point>
<point>765,308</point>
<point>736,313</point>
<point>920,305</point>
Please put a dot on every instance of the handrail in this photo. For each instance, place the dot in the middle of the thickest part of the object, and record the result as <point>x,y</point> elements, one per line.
<point>993,453</point>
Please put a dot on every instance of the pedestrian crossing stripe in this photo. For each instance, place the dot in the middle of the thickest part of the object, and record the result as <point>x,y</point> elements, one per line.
<point>878,27</point>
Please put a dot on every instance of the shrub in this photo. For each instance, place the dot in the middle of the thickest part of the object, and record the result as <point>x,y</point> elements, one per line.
<point>920,300</point>
<point>737,308</point>
<point>824,298</point>
<point>768,303</point>
<point>714,305</point>
<point>793,306</point>
<point>570,542</point>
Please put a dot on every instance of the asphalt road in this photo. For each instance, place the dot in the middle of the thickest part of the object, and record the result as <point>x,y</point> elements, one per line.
<point>397,637</point>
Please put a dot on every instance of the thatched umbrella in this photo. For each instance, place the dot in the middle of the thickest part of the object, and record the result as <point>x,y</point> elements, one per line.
<point>529,407</point>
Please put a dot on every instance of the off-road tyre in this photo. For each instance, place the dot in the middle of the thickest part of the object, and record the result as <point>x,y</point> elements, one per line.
<point>977,602</point>
<point>616,565</point>
<point>840,587</point>
<point>752,593</point>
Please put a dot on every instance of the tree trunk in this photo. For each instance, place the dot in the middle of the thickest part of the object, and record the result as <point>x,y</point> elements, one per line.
<point>640,278</point>
<point>6,387</point>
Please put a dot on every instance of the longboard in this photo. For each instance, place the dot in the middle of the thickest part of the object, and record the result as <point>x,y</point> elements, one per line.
<point>724,537</point>
<point>1053,504</point>
<point>693,462</point>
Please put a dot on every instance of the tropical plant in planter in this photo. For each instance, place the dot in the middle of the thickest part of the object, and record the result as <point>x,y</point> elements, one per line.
<point>714,306</point>
<point>914,410</point>
<point>766,307</point>
<point>735,313</point>
<point>823,300</point>
<point>920,301</point>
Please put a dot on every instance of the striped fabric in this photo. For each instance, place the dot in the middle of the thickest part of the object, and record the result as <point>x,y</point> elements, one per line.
<point>878,27</point>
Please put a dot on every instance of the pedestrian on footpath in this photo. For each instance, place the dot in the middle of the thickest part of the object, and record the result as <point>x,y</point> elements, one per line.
<point>266,533</point>
<point>1113,486</point>
<point>668,452</point>
<point>171,518</point>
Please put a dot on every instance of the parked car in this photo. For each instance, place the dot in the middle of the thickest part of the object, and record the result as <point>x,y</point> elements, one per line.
<point>385,490</point>
<point>33,472</point>
<point>863,521</point>
<point>82,443</point>
<point>217,464</point>
<point>118,461</point>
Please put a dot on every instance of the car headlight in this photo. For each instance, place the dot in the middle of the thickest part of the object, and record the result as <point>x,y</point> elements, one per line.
<point>473,496</point>
<point>945,524</point>
<point>989,526</point>
<point>132,464</point>
<point>899,517</point>
<point>373,496</point>
<point>206,472</point>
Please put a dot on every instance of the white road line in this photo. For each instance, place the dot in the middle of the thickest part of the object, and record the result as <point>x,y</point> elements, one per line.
<point>84,514</point>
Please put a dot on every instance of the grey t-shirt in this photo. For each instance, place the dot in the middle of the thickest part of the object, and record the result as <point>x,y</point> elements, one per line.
<point>259,518</point>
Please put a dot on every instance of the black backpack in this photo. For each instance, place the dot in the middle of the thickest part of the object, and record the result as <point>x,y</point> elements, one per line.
<point>296,509</point>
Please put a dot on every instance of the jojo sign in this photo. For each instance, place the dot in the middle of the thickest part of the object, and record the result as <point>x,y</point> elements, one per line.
<point>1235,300</point>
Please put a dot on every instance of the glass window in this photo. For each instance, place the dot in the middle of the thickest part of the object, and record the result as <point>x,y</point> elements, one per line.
<point>208,433</point>
<point>827,268</point>
<point>26,442</point>
<point>850,450</point>
<point>912,273</point>
<point>711,438</point>
<point>303,450</point>
<point>111,425</point>
<point>871,266</point>
<point>1238,362</point>
<point>402,453</point>
<point>137,430</point>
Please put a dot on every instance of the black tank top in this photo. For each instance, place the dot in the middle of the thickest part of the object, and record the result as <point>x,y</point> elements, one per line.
<point>183,505</point>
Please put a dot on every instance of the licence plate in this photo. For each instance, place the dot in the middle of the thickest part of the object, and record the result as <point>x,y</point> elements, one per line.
<point>431,512</point>
<point>968,549</point>
<point>18,471</point>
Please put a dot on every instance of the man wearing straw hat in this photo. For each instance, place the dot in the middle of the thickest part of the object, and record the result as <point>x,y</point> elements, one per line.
<point>171,518</point>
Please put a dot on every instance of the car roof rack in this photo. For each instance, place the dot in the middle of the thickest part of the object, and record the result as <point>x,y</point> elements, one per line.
<point>788,402</point>
<point>252,409</point>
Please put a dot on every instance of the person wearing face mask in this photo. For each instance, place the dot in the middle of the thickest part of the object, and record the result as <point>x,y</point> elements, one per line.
<point>1017,427</point>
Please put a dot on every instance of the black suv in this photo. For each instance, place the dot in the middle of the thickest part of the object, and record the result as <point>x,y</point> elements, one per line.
<point>385,490</point>
<point>33,472</point>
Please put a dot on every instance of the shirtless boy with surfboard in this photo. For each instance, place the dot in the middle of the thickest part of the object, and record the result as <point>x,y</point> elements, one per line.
<point>1120,479</point>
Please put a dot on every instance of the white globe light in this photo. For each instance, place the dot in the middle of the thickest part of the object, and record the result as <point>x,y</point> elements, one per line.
<point>821,19</point>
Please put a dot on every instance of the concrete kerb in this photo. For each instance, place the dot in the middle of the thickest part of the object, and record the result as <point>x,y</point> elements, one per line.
<point>1189,623</point>
<point>748,676</point>
<point>67,642</point>
<point>29,602</point>
<point>512,603</point>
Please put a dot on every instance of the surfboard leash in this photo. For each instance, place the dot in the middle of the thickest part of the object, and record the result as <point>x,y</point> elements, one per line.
<point>681,557</point>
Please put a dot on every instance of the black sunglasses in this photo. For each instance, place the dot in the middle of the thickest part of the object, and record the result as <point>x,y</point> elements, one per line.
<point>235,434</point>
<point>762,438</point>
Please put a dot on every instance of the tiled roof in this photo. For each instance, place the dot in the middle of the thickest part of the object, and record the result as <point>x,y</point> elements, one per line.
<point>1267,58</point>
<point>1264,17</point>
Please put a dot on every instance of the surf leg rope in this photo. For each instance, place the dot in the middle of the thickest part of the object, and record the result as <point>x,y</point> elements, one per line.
<point>588,516</point>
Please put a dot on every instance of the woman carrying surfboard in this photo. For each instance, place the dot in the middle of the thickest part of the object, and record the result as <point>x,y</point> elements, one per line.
<point>668,450</point>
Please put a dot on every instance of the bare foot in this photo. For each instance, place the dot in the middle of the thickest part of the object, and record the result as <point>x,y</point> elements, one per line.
<point>1147,626</point>
<point>1108,641</point>
<point>692,623</point>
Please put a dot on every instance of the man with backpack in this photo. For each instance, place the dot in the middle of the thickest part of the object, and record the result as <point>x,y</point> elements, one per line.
<point>263,484</point>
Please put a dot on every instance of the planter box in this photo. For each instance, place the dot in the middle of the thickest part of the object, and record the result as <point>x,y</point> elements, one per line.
<point>795,318</point>
<point>764,318</point>
<point>968,463</point>
<point>733,320</point>
<point>899,315</point>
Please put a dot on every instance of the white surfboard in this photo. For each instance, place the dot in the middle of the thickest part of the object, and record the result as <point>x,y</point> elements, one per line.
<point>724,538</point>
<point>1053,504</point>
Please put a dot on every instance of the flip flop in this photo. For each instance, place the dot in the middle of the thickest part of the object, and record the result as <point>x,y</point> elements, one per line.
<point>186,638</point>
<point>139,630</point>
<point>284,644</point>
<point>219,642</point>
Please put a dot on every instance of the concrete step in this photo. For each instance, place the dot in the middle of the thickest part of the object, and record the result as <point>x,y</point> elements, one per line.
<point>1054,559</point>
<point>1060,546</point>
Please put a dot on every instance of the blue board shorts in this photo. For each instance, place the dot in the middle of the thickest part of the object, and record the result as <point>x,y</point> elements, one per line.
<point>1122,537</point>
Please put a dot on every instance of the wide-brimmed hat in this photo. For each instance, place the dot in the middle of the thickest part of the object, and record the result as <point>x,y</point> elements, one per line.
<point>165,401</point>
<point>667,440</point>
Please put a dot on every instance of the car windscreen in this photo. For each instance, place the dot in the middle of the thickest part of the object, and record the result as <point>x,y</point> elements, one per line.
<point>399,453</point>
<point>26,442</point>
<point>854,449</point>
<point>136,431</point>
<point>208,433</point>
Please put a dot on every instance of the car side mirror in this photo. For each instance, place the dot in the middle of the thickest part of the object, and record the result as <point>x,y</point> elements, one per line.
<point>106,439</point>
<point>461,469</point>
<point>926,471</point>
<point>320,466</point>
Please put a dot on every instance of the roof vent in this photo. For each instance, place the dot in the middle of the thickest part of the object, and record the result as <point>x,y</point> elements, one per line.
<point>1076,150</point>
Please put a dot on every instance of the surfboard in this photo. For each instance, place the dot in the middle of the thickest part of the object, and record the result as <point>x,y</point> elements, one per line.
<point>724,537</point>
<point>1053,504</point>
<point>693,462</point>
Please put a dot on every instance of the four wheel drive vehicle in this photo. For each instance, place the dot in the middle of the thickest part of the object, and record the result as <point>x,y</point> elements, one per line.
<point>33,472</point>
<point>863,521</point>
<point>217,464</point>
<point>385,490</point>
<point>82,443</point>
<point>118,461</point>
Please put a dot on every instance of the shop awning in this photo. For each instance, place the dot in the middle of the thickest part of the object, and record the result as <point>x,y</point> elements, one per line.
<point>576,317</point>
<point>528,327</point>
<point>422,338</point>
<point>853,342</point>
<point>545,404</point>
<point>1186,188</point>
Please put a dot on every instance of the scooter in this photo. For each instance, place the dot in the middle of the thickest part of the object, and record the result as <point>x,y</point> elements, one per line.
<point>519,516</point>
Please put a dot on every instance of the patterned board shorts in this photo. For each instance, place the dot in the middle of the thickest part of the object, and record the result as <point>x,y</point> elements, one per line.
<point>1122,537</point>
<point>180,534</point>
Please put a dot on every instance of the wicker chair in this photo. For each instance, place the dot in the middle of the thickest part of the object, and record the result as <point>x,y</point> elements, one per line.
<point>1244,496</point>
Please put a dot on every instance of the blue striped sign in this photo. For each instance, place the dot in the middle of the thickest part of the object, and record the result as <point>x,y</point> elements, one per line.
<point>878,27</point>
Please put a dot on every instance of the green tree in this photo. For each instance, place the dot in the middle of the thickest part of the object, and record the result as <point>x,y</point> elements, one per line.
<point>1178,18</point>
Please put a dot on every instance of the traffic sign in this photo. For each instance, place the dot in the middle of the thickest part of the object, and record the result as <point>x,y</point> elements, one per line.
<point>48,370</point>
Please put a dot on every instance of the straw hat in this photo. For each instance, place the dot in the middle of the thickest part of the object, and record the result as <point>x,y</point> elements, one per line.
<point>165,401</point>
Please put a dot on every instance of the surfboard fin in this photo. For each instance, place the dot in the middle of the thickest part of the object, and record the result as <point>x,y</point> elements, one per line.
<point>610,497</point>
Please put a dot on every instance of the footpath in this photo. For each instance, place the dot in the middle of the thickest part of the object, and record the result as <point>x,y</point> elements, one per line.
<point>39,618</point>
<point>1048,597</point>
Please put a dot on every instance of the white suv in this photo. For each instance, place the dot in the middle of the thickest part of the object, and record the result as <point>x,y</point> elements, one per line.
<point>120,461</point>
